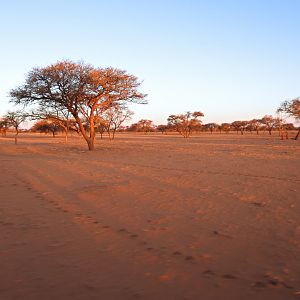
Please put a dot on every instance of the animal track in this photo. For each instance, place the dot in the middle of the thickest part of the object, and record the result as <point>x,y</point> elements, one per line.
<point>229,276</point>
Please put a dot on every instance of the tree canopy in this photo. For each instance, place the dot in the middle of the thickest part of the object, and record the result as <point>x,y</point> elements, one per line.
<point>292,109</point>
<point>185,123</point>
<point>15,119</point>
<point>80,89</point>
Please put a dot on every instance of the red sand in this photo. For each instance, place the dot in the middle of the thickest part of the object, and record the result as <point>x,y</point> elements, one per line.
<point>150,217</point>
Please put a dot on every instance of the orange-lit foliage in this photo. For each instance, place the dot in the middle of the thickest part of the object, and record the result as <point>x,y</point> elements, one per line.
<point>80,89</point>
<point>184,124</point>
<point>292,109</point>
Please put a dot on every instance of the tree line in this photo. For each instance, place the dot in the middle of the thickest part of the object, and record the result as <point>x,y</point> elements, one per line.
<point>185,125</point>
<point>68,96</point>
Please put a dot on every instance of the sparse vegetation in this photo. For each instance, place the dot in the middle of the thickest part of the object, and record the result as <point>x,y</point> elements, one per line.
<point>184,124</point>
<point>15,119</point>
<point>76,96</point>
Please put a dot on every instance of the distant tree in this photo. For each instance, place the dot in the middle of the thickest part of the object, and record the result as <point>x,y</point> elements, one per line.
<point>132,127</point>
<point>3,126</point>
<point>47,126</point>
<point>196,124</point>
<point>162,128</point>
<point>211,127</point>
<point>239,126</point>
<point>80,89</point>
<point>280,125</point>
<point>269,122</point>
<point>101,127</point>
<point>15,119</point>
<point>145,126</point>
<point>289,126</point>
<point>185,123</point>
<point>255,125</point>
<point>114,117</point>
<point>292,109</point>
<point>219,128</point>
<point>225,127</point>
<point>244,126</point>
<point>236,125</point>
<point>58,116</point>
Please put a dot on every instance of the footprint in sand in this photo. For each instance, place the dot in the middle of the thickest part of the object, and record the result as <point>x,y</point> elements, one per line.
<point>189,257</point>
<point>216,232</point>
<point>258,204</point>
<point>134,235</point>
<point>259,284</point>
<point>208,273</point>
<point>229,276</point>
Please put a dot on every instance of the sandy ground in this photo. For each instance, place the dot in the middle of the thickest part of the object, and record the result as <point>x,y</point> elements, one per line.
<point>150,217</point>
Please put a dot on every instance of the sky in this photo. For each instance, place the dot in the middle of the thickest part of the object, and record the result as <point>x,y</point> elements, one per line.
<point>232,60</point>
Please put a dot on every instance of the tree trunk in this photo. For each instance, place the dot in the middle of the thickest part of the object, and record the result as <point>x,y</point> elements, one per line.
<point>296,137</point>
<point>91,144</point>
<point>16,136</point>
<point>66,135</point>
<point>90,140</point>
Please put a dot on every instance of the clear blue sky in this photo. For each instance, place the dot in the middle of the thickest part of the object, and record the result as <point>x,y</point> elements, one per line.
<point>230,59</point>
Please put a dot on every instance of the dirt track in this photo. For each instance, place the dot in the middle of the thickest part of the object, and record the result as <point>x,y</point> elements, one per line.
<point>150,217</point>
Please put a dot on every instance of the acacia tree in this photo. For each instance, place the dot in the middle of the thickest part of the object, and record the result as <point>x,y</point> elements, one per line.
<point>211,127</point>
<point>162,128</point>
<point>47,126</point>
<point>144,125</point>
<point>225,127</point>
<point>237,125</point>
<point>292,109</point>
<point>185,123</point>
<point>55,115</point>
<point>240,126</point>
<point>269,122</point>
<point>114,117</point>
<point>80,89</point>
<point>101,126</point>
<point>3,126</point>
<point>15,119</point>
<point>255,124</point>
